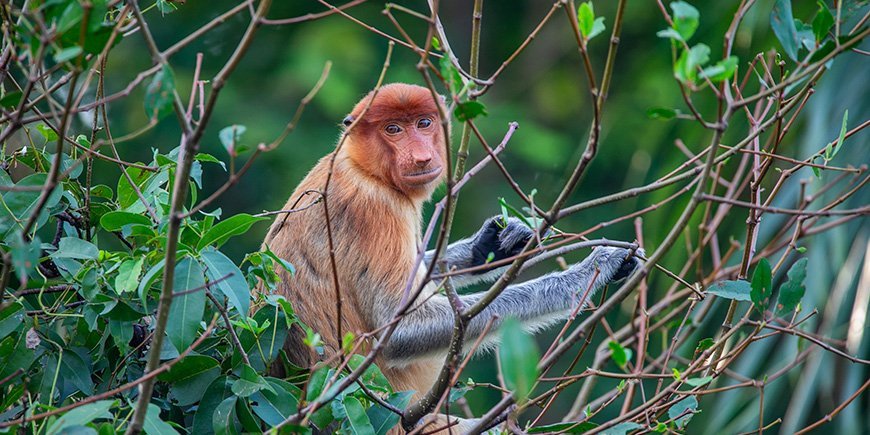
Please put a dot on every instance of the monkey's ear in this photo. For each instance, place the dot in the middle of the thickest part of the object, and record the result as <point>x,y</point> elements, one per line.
<point>348,120</point>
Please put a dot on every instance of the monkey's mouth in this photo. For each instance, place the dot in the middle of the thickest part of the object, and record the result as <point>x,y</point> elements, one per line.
<point>423,177</point>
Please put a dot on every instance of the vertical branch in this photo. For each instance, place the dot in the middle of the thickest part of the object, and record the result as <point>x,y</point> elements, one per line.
<point>179,196</point>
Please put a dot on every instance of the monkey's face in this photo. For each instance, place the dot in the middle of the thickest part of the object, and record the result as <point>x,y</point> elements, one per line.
<point>400,139</point>
<point>416,146</point>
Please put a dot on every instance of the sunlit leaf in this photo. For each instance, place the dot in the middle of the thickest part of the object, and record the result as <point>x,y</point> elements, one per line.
<point>686,19</point>
<point>735,290</point>
<point>233,226</point>
<point>585,18</point>
<point>722,70</point>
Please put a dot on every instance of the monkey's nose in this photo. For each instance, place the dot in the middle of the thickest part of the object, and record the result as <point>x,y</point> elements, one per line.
<point>422,162</point>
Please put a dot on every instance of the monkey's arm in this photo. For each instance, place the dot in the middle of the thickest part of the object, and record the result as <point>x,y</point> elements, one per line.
<point>427,329</point>
<point>494,241</point>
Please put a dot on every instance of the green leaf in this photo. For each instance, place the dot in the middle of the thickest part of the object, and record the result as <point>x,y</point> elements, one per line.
<point>46,132</point>
<point>185,313</point>
<point>249,382</point>
<point>451,75</point>
<point>153,425</point>
<point>316,382</point>
<point>669,33</point>
<point>190,378</point>
<point>67,53</point>
<point>11,100</point>
<point>233,226</point>
<point>570,427</point>
<point>734,290</point>
<point>619,354</point>
<point>25,256</point>
<point>230,137</point>
<point>211,399</point>
<point>621,428</point>
<point>469,110</point>
<point>160,94</point>
<point>73,247</point>
<point>823,21</point>
<point>806,39</point>
<point>356,416</point>
<point>761,285</point>
<point>383,419</point>
<point>273,407</point>
<point>127,279</point>
<point>597,27</point>
<point>782,22</point>
<point>81,416</point>
<point>686,19</point>
<point>681,407</point>
<point>697,382</point>
<point>831,150</point>
<point>723,70</point>
<point>519,359</point>
<point>585,19</point>
<point>791,293</point>
<point>116,220</point>
<point>705,344</point>
<point>232,283</point>
<point>148,280</point>
<point>686,68</point>
<point>224,420</point>
<point>662,113</point>
<point>372,376</point>
<point>10,319</point>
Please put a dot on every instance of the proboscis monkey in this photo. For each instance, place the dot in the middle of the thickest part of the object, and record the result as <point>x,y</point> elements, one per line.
<point>390,163</point>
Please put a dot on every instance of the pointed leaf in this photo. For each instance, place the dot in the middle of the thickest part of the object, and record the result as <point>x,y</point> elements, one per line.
<point>185,313</point>
<point>232,283</point>
<point>761,285</point>
<point>735,290</point>
<point>233,226</point>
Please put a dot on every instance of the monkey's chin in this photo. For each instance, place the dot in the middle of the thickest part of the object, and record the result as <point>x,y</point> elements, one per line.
<point>420,179</point>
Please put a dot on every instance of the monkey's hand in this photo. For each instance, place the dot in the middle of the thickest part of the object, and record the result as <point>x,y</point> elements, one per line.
<point>612,263</point>
<point>498,240</point>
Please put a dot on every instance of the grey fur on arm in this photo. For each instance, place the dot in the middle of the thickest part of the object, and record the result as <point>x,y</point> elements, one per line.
<point>427,329</point>
<point>497,239</point>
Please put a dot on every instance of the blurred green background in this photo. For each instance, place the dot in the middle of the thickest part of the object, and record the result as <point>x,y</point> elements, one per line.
<point>545,92</point>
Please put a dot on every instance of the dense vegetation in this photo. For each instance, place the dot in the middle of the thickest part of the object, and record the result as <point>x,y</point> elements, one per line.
<point>143,142</point>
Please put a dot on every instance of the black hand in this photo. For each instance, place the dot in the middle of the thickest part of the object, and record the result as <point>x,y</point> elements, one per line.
<point>626,268</point>
<point>499,239</point>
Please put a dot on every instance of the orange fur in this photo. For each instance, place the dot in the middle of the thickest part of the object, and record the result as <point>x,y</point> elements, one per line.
<point>376,223</point>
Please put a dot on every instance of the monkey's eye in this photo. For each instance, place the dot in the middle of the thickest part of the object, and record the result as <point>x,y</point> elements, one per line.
<point>393,129</point>
<point>424,123</point>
